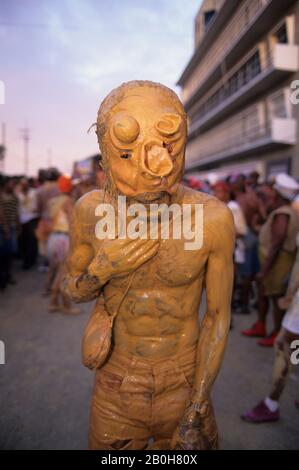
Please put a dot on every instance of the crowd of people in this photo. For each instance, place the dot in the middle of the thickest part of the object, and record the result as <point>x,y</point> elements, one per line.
<point>266,217</point>
<point>34,230</point>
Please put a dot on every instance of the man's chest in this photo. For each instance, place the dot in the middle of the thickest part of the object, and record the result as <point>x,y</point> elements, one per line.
<point>172,266</point>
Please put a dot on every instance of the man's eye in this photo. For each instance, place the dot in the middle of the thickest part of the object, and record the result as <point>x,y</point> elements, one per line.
<point>125,155</point>
<point>168,146</point>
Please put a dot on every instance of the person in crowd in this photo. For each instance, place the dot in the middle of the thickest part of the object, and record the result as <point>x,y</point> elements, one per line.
<point>60,208</point>
<point>45,193</point>
<point>29,218</point>
<point>246,198</point>
<point>258,329</point>
<point>4,241</point>
<point>268,409</point>
<point>295,204</point>
<point>252,181</point>
<point>277,248</point>
<point>10,207</point>
<point>221,190</point>
<point>41,177</point>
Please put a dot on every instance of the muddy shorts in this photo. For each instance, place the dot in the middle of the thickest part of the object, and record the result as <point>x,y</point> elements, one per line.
<point>136,401</point>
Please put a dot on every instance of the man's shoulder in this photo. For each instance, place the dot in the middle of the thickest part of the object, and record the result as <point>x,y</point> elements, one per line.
<point>93,198</point>
<point>211,205</point>
<point>217,217</point>
<point>195,197</point>
<point>84,208</point>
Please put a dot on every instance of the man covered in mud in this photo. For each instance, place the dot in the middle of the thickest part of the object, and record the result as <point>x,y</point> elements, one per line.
<point>155,361</point>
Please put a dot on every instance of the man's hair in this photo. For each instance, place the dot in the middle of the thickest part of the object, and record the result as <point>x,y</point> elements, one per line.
<point>116,96</point>
<point>52,174</point>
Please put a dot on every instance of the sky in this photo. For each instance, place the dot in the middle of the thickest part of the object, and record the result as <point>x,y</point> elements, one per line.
<point>60,58</point>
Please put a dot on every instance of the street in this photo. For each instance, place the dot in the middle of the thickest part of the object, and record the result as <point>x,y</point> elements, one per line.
<point>45,391</point>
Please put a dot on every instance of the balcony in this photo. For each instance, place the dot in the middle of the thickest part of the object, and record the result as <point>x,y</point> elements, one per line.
<point>228,39</point>
<point>281,61</point>
<point>262,127</point>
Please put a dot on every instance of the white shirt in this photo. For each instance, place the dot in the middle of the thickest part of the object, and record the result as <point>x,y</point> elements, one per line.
<point>28,205</point>
<point>241,229</point>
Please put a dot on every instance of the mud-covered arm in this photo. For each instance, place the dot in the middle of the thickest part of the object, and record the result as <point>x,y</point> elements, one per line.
<point>78,284</point>
<point>87,271</point>
<point>279,231</point>
<point>197,428</point>
<point>216,322</point>
<point>293,285</point>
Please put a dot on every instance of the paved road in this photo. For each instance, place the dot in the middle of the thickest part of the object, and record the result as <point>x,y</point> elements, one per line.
<point>45,392</point>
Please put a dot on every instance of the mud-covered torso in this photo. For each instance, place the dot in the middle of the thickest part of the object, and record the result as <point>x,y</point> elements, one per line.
<point>158,303</point>
<point>160,308</point>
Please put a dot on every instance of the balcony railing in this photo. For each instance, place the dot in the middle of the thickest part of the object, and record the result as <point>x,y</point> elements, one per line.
<point>262,124</point>
<point>249,73</point>
<point>239,76</point>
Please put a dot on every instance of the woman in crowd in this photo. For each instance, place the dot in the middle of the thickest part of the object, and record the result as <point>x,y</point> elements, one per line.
<point>28,219</point>
<point>60,208</point>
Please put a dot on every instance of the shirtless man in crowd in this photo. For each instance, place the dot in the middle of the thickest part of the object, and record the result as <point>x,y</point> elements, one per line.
<point>245,196</point>
<point>156,381</point>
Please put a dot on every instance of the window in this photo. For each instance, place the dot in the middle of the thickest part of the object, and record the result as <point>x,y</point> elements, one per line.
<point>208,16</point>
<point>282,35</point>
<point>278,104</point>
<point>279,166</point>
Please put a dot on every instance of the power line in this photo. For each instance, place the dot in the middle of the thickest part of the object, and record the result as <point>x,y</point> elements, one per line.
<point>89,28</point>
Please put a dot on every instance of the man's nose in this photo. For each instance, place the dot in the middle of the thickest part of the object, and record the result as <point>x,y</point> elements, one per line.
<point>157,161</point>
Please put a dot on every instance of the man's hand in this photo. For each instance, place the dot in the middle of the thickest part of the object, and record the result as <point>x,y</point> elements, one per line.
<point>118,257</point>
<point>285,302</point>
<point>197,429</point>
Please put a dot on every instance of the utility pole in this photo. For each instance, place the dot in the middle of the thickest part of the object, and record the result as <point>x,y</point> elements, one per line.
<point>25,135</point>
<point>2,147</point>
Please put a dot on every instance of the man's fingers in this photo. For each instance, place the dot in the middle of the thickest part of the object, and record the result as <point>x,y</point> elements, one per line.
<point>140,248</point>
<point>123,246</point>
<point>125,257</point>
<point>141,256</point>
<point>133,246</point>
<point>137,246</point>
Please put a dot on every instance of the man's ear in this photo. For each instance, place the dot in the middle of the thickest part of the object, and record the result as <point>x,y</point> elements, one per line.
<point>90,127</point>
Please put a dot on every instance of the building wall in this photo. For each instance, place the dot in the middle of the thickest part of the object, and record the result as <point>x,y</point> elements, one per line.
<point>230,33</point>
<point>200,27</point>
<point>267,112</point>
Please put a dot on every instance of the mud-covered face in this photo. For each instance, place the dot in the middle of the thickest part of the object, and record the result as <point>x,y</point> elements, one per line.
<point>145,142</point>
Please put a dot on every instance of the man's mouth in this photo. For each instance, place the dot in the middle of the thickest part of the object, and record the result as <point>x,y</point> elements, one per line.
<point>154,180</point>
<point>162,182</point>
<point>152,197</point>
